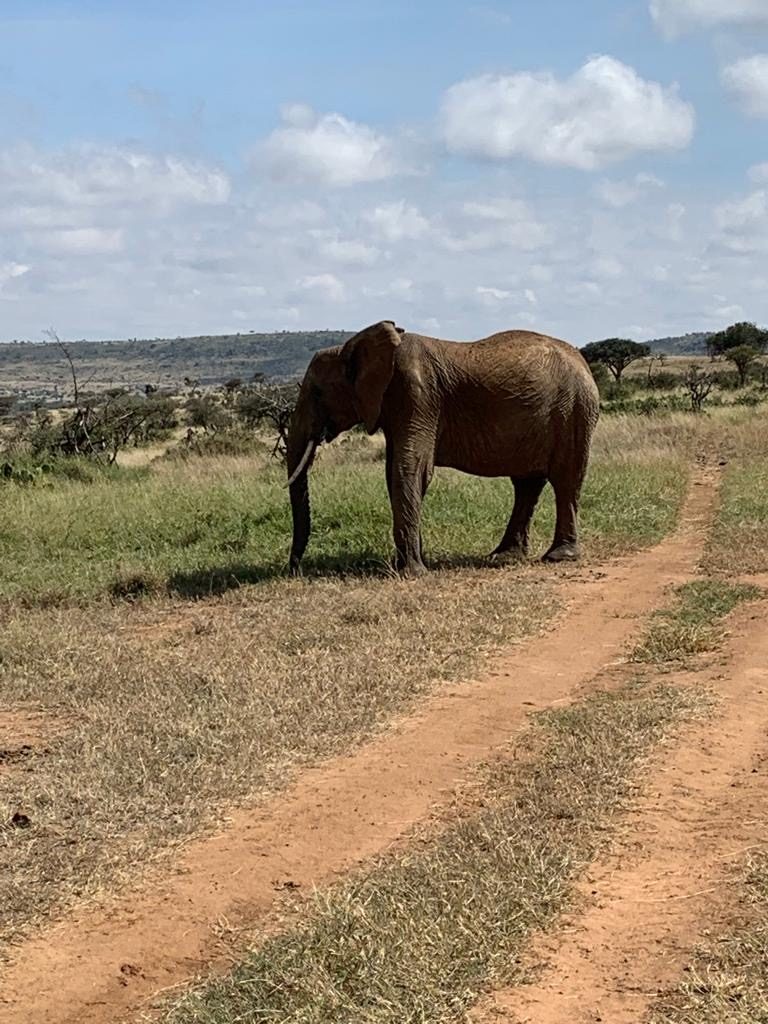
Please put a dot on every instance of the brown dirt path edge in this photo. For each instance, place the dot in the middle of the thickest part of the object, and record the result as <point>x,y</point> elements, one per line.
<point>648,905</point>
<point>334,816</point>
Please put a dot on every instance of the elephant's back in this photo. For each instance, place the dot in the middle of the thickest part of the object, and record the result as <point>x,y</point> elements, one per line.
<point>531,366</point>
<point>515,399</point>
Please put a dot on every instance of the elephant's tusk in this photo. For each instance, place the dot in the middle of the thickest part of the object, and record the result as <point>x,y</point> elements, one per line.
<point>310,449</point>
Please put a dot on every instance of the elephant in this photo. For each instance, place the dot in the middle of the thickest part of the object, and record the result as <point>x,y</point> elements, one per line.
<point>516,404</point>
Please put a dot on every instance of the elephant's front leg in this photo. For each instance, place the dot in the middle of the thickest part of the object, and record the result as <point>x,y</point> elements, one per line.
<point>407,481</point>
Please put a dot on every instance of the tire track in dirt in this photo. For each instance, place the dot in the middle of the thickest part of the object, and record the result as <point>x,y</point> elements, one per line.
<point>647,904</point>
<point>96,967</point>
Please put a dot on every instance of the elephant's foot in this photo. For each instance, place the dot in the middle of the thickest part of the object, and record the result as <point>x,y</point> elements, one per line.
<point>567,552</point>
<point>411,570</point>
<point>509,556</point>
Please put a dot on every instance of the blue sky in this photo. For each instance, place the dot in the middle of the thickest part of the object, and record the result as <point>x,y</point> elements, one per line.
<point>582,169</point>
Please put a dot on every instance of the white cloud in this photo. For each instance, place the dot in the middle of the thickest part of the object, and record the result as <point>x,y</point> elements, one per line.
<point>301,212</point>
<point>398,221</point>
<point>743,223</point>
<point>349,252</point>
<point>603,113</point>
<point>759,174</point>
<point>674,17</point>
<point>11,269</point>
<point>430,324</point>
<point>671,227</point>
<point>81,241</point>
<point>607,267</point>
<point>747,80</point>
<point>619,194</point>
<point>329,148</point>
<point>94,176</point>
<point>495,224</point>
<point>492,295</point>
<point>531,296</point>
<point>400,288</point>
<point>327,287</point>
<point>540,274</point>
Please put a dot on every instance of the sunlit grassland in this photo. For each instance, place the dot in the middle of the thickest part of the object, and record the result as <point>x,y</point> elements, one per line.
<point>194,528</point>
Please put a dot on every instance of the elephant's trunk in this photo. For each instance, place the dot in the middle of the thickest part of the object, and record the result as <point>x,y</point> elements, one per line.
<point>299,460</point>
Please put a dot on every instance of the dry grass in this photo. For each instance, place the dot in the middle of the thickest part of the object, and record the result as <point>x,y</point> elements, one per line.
<point>420,936</point>
<point>693,625</point>
<point>176,710</point>
<point>721,433</point>
<point>739,537</point>
<point>728,981</point>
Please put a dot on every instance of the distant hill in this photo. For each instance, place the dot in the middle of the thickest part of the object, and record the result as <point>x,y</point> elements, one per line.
<point>694,344</point>
<point>40,371</point>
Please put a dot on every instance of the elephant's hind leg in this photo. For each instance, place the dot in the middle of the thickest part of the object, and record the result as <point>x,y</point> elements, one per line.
<point>514,543</point>
<point>565,545</point>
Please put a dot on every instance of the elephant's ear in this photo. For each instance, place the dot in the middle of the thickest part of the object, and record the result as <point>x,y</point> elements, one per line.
<point>370,361</point>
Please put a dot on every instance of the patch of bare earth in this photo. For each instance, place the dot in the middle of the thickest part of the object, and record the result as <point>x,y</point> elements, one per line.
<point>645,907</point>
<point>25,732</point>
<point>98,967</point>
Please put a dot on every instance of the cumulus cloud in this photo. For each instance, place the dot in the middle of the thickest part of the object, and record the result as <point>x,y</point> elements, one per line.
<point>603,113</point>
<point>398,221</point>
<point>607,267</point>
<point>747,80</point>
<point>401,288</point>
<point>495,224</point>
<point>93,176</point>
<point>743,223</point>
<point>81,241</point>
<point>618,194</point>
<point>11,269</point>
<point>674,17</point>
<point>488,294</point>
<point>350,252</point>
<point>330,149</point>
<point>326,287</point>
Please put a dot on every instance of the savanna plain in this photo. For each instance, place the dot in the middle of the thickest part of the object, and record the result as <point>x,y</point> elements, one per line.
<point>517,793</point>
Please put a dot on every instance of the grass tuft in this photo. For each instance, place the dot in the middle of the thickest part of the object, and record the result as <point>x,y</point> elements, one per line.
<point>692,626</point>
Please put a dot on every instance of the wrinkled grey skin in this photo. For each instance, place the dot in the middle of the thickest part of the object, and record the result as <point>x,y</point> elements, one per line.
<point>517,404</point>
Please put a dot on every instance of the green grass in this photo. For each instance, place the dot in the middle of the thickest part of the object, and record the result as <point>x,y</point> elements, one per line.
<point>739,536</point>
<point>420,936</point>
<point>692,625</point>
<point>728,981</point>
<point>193,529</point>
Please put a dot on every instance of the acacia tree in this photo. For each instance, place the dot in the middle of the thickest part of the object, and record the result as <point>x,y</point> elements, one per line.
<point>739,335</point>
<point>699,386</point>
<point>615,353</point>
<point>742,357</point>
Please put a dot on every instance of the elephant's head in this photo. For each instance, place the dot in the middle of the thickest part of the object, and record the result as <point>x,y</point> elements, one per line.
<point>343,386</point>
